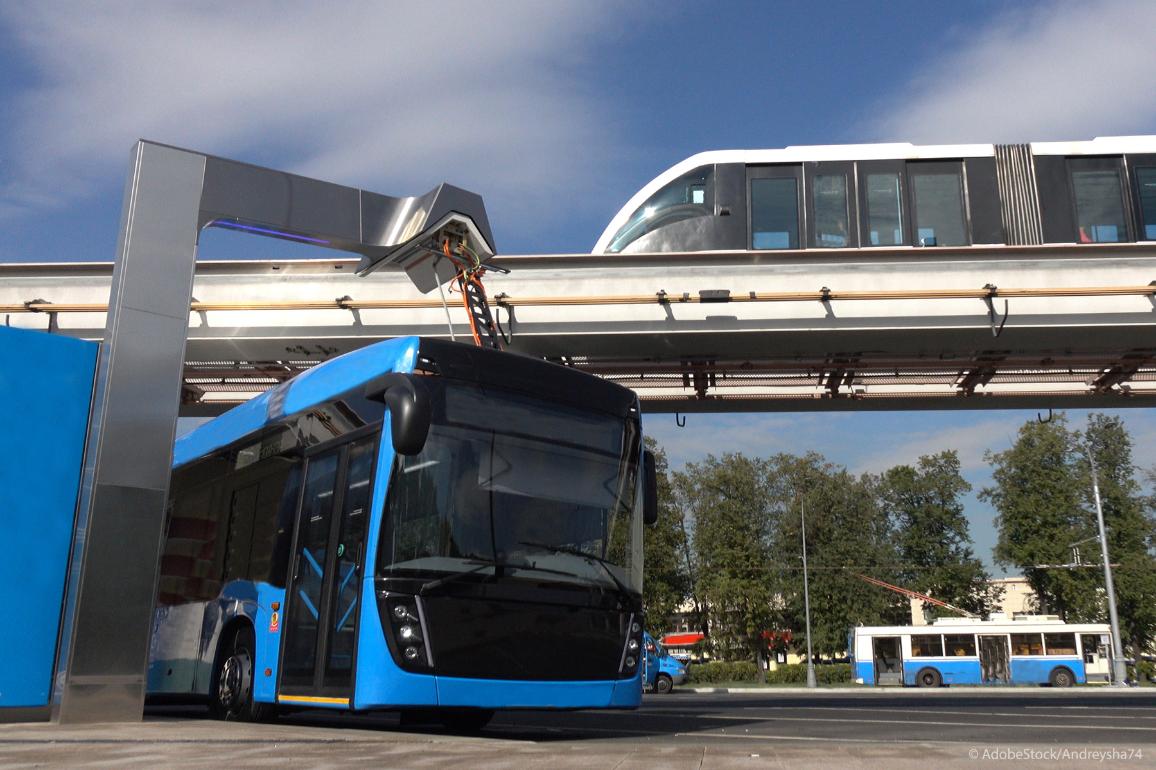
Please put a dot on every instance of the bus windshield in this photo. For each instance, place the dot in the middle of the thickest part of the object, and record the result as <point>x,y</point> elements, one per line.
<point>546,491</point>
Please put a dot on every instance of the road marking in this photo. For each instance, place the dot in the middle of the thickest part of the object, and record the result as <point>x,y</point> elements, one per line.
<point>945,711</point>
<point>911,722</point>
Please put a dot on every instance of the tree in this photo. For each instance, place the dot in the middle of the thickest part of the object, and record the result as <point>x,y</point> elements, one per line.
<point>1039,502</point>
<point>1131,527</point>
<point>1043,494</point>
<point>847,533</point>
<point>728,501</point>
<point>666,576</point>
<point>935,551</point>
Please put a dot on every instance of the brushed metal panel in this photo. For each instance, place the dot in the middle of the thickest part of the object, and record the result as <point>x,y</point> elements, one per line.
<point>123,539</point>
<point>147,381</point>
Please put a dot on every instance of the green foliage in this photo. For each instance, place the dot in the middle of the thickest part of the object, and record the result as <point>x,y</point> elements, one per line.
<point>847,533</point>
<point>666,579</point>
<point>728,500</point>
<point>1043,494</point>
<point>935,555</point>
<point>796,673</point>
<point>716,671</point>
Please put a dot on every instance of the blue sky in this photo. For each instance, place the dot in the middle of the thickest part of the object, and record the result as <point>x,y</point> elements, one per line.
<point>556,113</point>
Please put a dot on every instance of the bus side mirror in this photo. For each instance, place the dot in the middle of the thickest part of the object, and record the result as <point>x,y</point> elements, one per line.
<point>409,409</point>
<point>649,489</point>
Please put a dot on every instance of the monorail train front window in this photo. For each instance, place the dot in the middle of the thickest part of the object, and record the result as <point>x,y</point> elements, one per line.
<point>684,198</point>
<point>512,486</point>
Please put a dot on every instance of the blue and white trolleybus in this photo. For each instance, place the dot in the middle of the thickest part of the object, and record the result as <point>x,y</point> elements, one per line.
<point>1032,649</point>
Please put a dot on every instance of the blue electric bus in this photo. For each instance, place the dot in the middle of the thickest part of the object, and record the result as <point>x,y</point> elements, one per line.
<point>1028,649</point>
<point>417,525</point>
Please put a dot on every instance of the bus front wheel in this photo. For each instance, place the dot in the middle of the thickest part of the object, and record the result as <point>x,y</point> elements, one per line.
<point>928,677</point>
<point>1061,677</point>
<point>663,684</point>
<point>231,691</point>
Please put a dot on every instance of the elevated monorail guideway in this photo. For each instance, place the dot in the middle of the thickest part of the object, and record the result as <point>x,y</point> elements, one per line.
<point>898,328</point>
<point>880,276</point>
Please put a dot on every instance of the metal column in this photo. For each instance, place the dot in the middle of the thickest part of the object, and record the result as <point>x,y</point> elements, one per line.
<point>108,604</point>
<point>170,195</point>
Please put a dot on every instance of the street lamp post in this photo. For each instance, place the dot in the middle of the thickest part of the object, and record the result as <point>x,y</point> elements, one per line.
<point>807,598</point>
<point>1118,673</point>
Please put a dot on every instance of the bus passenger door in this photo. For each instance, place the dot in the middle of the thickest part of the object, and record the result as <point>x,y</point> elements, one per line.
<point>888,654</point>
<point>1096,667</point>
<point>994,659</point>
<point>325,583</point>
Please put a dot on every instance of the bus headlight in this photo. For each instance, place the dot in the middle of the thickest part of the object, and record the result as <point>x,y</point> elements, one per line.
<point>405,631</point>
<point>628,666</point>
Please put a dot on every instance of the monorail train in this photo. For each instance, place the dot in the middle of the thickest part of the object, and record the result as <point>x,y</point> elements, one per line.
<point>869,196</point>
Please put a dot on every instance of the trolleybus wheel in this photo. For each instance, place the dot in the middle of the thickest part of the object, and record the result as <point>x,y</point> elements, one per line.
<point>231,690</point>
<point>1061,677</point>
<point>928,677</point>
<point>663,684</point>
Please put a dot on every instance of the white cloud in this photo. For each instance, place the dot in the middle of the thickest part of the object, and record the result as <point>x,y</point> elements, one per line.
<point>1051,71</point>
<point>970,442</point>
<point>395,97</point>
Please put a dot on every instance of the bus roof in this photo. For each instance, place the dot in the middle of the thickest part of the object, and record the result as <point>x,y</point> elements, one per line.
<point>321,383</point>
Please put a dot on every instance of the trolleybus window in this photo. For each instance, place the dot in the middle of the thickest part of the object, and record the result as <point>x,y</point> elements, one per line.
<point>1059,644</point>
<point>1099,202</point>
<point>1027,644</point>
<point>926,646</point>
<point>959,645</point>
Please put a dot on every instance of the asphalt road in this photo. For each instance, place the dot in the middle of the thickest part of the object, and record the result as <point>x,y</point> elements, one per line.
<point>1077,728</point>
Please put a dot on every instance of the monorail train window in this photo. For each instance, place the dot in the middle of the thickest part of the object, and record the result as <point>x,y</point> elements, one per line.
<point>1099,200</point>
<point>938,202</point>
<point>1146,187</point>
<point>884,210</point>
<point>774,213</point>
<point>684,198</point>
<point>829,197</point>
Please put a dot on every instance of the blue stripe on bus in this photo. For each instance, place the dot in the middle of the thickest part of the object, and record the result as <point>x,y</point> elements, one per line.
<point>308,604</point>
<point>962,670</point>
<point>345,617</point>
<point>312,562</point>
<point>304,391</point>
<point>1039,670</point>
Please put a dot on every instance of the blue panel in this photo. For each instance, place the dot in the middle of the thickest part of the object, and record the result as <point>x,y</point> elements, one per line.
<point>1038,670</point>
<point>268,636</point>
<point>951,670</point>
<point>866,672</point>
<point>497,693</point>
<point>378,680</point>
<point>319,384</point>
<point>46,389</point>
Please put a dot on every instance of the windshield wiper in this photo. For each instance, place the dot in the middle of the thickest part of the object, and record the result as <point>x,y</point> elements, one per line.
<point>498,566</point>
<point>591,558</point>
<point>482,564</point>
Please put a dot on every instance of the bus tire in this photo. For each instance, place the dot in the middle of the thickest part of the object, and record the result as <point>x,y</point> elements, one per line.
<point>928,677</point>
<point>231,688</point>
<point>663,684</point>
<point>1061,677</point>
